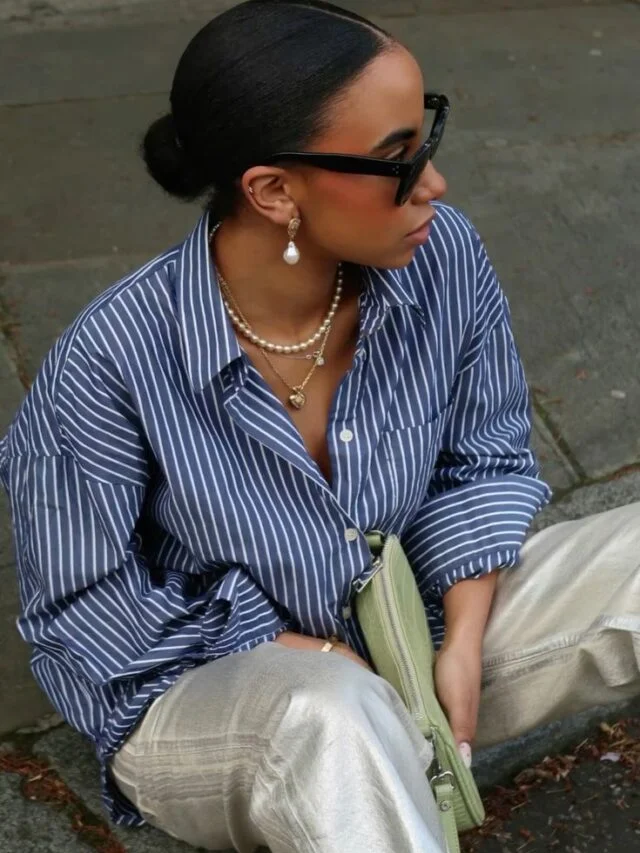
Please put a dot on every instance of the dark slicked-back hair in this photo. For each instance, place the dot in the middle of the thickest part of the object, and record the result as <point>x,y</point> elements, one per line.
<point>257,79</point>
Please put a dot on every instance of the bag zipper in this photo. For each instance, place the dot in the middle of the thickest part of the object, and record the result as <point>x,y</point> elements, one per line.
<point>358,584</point>
<point>388,601</point>
<point>435,772</point>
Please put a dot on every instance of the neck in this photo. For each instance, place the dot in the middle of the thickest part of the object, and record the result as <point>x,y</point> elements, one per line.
<point>280,301</point>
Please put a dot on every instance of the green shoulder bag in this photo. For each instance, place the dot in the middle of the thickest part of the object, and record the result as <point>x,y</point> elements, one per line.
<point>392,616</point>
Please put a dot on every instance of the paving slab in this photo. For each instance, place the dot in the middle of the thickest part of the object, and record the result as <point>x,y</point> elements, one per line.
<point>507,76</point>
<point>589,500</point>
<point>43,12</point>
<point>90,196</point>
<point>566,250</point>
<point>11,389</point>
<point>498,764</point>
<point>513,73</point>
<point>21,700</point>
<point>588,806</point>
<point>77,13</point>
<point>6,536</point>
<point>457,7</point>
<point>25,827</point>
<point>41,301</point>
<point>74,759</point>
<point>73,65</point>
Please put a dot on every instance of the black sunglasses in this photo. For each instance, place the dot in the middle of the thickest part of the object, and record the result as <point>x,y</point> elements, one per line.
<point>408,171</point>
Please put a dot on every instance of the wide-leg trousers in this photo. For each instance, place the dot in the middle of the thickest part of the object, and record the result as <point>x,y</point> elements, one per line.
<point>309,752</point>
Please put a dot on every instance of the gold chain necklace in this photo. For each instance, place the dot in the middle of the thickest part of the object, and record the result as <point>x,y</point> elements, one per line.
<point>297,398</point>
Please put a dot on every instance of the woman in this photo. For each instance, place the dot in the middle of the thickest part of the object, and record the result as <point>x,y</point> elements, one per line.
<point>192,473</point>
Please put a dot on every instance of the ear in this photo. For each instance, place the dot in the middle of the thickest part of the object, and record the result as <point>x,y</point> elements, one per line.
<point>269,191</point>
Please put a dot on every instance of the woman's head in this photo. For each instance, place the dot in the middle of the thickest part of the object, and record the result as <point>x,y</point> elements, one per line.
<point>295,75</point>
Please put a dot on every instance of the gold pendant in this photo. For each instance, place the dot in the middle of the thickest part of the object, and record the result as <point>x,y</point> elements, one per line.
<point>298,398</point>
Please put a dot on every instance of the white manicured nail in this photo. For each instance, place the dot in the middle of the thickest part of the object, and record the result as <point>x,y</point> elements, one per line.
<point>465,752</point>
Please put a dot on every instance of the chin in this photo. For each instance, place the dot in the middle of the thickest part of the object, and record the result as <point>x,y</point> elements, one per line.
<point>396,260</point>
<point>388,257</point>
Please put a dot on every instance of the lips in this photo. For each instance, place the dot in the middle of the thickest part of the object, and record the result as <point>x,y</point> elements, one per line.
<point>422,227</point>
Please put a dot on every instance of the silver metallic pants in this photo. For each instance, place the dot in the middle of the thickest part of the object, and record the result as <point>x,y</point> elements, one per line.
<point>302,751</point>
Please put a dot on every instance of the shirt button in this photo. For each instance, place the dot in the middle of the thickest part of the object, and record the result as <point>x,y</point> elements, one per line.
<point>346,435</point>
<point>351,534</point>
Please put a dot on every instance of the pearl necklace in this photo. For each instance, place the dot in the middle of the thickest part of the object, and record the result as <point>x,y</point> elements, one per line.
<point>280,349</point>
<point>297,398</point>
<point>283,349</point>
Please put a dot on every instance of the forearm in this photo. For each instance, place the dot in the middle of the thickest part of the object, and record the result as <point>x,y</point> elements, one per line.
<point>466,610</point>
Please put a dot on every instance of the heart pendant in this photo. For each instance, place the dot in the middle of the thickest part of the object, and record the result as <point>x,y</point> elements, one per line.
<point>297,399</point>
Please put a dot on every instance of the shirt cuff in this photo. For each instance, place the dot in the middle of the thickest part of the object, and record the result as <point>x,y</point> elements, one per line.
<point>472,530</point>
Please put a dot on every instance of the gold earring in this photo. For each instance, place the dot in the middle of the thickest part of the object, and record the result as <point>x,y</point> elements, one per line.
<point>292,253</point>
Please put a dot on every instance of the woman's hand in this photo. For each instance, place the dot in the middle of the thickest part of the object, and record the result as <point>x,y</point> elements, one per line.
<point>458,674</point>
<point>302,641</point>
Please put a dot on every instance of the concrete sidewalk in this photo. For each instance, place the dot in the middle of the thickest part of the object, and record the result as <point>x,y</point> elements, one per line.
<point>541,151</point>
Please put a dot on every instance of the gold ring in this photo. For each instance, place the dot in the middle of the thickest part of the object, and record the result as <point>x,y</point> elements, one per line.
<point>331,643</point>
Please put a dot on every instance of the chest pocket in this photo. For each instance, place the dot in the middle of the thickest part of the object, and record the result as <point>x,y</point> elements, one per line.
<point>411,453</point>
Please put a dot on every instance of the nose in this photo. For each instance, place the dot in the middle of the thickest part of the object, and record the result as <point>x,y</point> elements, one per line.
<point>432,185</point>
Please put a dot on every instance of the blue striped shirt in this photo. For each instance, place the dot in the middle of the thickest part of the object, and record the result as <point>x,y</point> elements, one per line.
<point>166,511</point>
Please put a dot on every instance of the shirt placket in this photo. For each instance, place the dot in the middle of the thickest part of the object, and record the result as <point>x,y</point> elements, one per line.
<point>348,454</point>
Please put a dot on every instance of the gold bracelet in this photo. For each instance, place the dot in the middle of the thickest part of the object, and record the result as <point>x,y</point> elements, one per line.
<point>331,643</point>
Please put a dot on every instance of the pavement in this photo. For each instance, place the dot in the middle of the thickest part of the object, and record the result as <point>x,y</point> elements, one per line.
<point>541,151</point>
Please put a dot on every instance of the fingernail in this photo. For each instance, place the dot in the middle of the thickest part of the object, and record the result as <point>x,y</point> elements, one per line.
<point>465,752</point>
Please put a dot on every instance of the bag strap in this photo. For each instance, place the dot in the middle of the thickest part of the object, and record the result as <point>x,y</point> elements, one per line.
<point>375,541</point>
<point>443,790</point>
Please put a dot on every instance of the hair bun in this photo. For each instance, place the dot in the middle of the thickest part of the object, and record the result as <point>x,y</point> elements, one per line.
<point>167,161</point>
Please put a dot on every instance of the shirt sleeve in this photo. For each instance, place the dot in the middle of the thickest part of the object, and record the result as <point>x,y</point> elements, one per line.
<point>486,488</point>
<point>89,598</point>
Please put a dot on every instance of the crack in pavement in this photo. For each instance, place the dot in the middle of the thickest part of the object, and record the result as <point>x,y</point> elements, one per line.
<point>10,339</point>
<point>618,474</point>
<point>84,261</point>
<point>561,443</point>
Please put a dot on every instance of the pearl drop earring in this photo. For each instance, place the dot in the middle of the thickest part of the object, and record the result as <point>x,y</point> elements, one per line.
<point>292,254</point>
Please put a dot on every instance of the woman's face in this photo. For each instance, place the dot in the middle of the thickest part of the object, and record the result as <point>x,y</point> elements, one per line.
<point>354,217</point>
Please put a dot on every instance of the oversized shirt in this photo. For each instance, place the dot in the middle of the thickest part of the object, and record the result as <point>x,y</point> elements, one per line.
<point>166,511</point>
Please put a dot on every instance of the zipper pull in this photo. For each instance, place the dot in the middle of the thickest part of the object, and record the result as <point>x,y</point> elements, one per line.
<point>359,584</point>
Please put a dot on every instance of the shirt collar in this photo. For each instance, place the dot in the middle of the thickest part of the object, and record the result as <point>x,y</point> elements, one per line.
<point>209,342</point>
<point>386,289</point>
